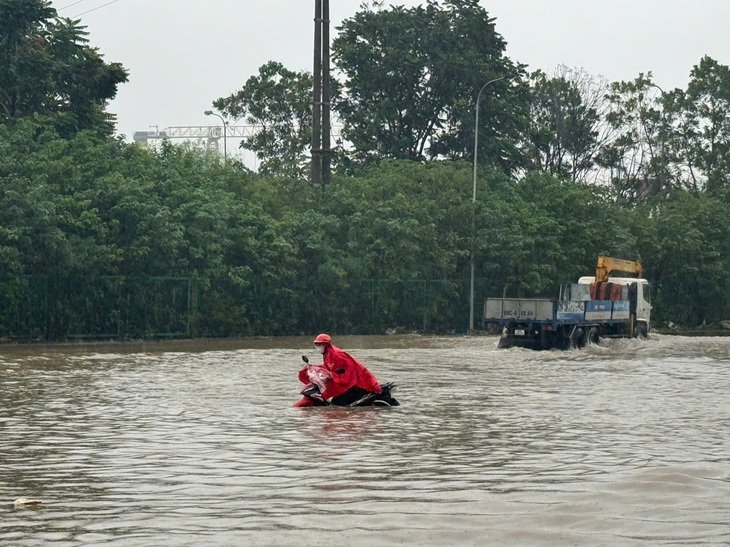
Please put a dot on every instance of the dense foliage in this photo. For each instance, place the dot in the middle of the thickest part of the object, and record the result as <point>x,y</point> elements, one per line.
<point>410,75</point>
<point>47,70</point>
<point>278,101</point>
<point>103,238</point>
<point>99,237</point>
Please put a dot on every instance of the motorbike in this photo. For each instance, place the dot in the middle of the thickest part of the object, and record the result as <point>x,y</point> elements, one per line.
<point>318,378</point>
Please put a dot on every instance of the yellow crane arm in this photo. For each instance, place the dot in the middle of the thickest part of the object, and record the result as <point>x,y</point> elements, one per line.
<point>606,265</point>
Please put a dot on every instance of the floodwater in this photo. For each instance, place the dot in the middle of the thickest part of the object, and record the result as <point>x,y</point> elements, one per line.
<point>196,443</point>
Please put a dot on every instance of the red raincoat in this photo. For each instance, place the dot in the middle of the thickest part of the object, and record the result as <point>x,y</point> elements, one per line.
<point>346,372</point>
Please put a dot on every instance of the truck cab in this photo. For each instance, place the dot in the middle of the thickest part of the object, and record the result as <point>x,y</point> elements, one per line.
<point>640,299</point>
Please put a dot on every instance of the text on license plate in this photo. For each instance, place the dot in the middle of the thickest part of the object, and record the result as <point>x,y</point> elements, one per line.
<point>519,332</point>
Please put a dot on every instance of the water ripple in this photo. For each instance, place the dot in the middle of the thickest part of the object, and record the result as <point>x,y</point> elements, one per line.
<point>621,443</point>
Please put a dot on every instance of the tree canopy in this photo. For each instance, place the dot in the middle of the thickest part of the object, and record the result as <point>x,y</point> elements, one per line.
<point>411,77</point>
<point>47,69</point>
<point>278,103</point>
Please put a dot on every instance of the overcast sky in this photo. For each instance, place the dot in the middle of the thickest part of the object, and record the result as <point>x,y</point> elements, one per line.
<point>183,54</point>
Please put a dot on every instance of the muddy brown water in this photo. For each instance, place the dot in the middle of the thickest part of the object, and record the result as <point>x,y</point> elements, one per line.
<point>196,443</point>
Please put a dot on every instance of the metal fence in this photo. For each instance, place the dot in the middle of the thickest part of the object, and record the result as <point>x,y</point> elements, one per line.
<point>118,307</point>
<point>110,307</point>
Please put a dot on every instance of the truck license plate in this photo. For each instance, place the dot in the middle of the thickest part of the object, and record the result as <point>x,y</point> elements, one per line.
<point>519,332</point>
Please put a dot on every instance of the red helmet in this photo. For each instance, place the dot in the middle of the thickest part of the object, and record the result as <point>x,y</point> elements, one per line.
<point>323,339</point>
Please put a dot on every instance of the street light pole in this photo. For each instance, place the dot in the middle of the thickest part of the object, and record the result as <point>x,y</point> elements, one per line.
<point>474,200</point>
<point>225,130</point>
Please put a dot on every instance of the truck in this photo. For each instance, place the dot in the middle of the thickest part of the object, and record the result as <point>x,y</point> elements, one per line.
<point>597,306</point>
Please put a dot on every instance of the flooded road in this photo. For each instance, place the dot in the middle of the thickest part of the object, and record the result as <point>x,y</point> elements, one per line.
<point>196,443</point>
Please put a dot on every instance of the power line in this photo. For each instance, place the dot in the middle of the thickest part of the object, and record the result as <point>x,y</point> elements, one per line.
<point>96,8</point>
<point>70,5</point>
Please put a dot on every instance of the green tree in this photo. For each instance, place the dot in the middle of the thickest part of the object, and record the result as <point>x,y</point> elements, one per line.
<point>47,69</point>
<point>402,243</point>
<point>541,232</point>
<point>565,127</point>
<point>278,104</point>
<point>670,140</point>
<point>636,158</point>
<point>411,80</point>
<point>48,205</point>
<point>689,260</point>
<point>705,126</point>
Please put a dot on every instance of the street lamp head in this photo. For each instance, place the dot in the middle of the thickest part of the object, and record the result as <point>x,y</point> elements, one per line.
<point>208,112</point>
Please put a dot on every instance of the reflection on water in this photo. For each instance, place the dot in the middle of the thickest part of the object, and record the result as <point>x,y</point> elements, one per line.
<point>196,443</point>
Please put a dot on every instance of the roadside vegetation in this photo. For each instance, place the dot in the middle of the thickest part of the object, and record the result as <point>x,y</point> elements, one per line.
<point>99,237</point>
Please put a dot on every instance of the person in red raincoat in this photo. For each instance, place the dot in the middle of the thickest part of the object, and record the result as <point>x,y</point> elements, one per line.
<point>349,380</point>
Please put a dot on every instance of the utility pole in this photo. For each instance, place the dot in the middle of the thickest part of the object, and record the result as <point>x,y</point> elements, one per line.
<point>321,125</point>
<point>326,103</point>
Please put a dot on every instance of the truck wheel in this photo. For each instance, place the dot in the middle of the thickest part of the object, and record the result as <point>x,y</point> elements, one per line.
<point>593,336</point>
<point>577,339</point>
<point>641,331</point>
